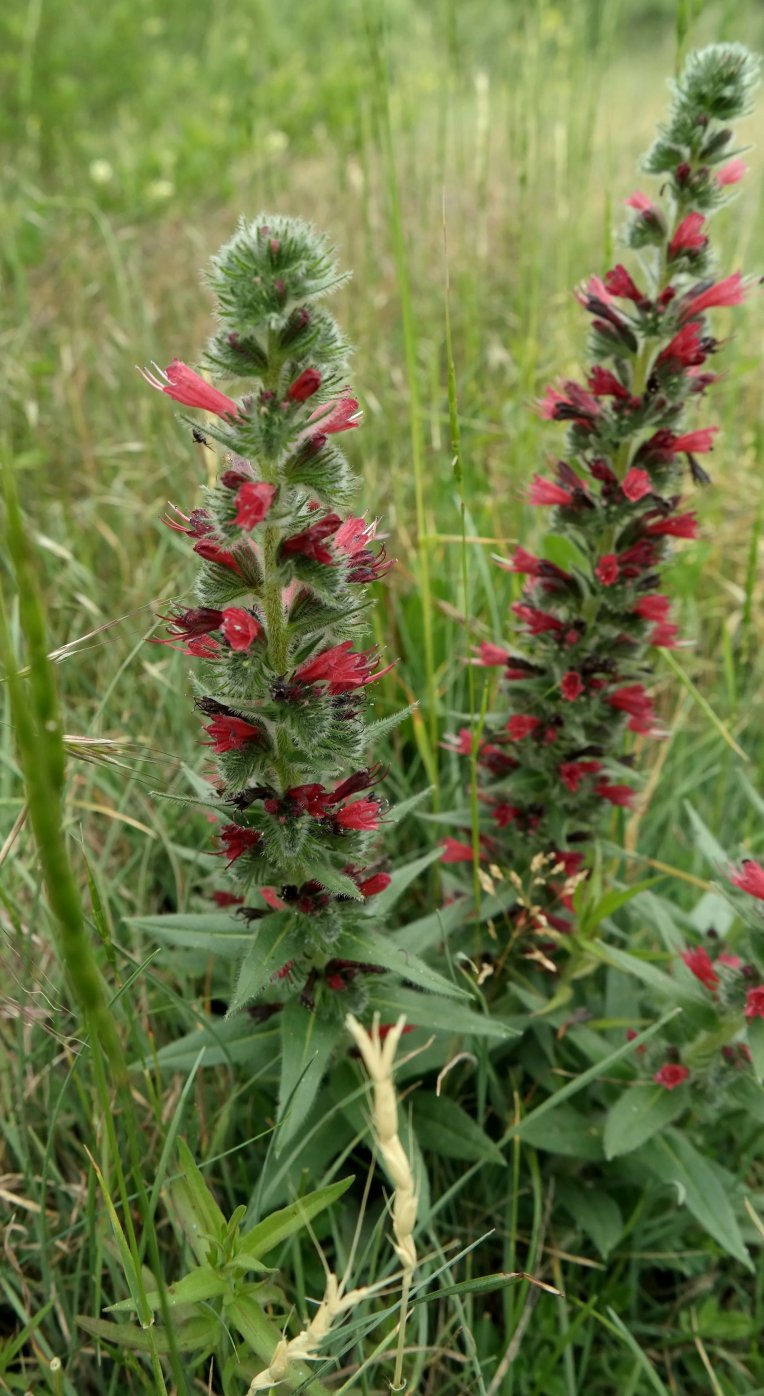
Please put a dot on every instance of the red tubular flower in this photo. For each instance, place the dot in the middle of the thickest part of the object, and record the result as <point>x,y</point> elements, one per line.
<point>538,622</point>
<point>699,962</point>
<point>571,685</point>
<point>606,570</point>
<point>685,350</point>
<point>197,524</point>
<point>253,501</point>
<point>240,627</point>
<point>372,886</point>
<point>731,173</point>
<point>203,648</point>
<point>671,1075</point>
<point>461,744</point>
<point>652,607</point>
<point>639,201</point>
<point>456,852</point>
<point>310,541</point>
<point>236,841</point>
<point>615,794</point>
<point>578,406</point>
<point>199,620</point>
<point>341,414</point>
<point>619,283</point>
<point>731,961</point>
<point>359,814</point>
<point>681,526</point>
<point>754,1003</point>
<point>491,656</point>
<point>521,725</point>
<point>342,668</point>
<point>698,442</point>
<point>215,552</point>
<point>689,236</point>
<point>542,492</point>
<point>603,383</point>
<point>636,484</point>
<point>230,733</point>
<point>663,636</point>
<point>305,385</point>
<point>633,700</point>
<point>521,562</point>
<point>573,772</point>
<point>730,291</point>
<point>180,383</point>
<point>750,879</point>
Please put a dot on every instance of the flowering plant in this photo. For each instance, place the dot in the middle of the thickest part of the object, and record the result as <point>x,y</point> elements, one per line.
<point>282,596</point>
<point>589,630</point>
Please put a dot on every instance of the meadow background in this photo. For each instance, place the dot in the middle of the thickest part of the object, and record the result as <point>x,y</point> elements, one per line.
<point>135,135</point>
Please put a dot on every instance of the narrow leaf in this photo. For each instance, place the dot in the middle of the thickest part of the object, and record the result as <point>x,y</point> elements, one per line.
<point>365,944</point>
<point>639,1113</point>
<point>272,1230</point>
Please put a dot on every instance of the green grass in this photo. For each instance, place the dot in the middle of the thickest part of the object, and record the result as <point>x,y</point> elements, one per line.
<point>136,138</point>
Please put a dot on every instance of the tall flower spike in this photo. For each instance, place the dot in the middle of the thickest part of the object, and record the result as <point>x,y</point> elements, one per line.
<point>632,439</point>
<point>280,604</point>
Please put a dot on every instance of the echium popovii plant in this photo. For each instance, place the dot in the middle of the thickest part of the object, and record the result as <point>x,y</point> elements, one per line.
<point>634,436</point>
<point>281,598</point>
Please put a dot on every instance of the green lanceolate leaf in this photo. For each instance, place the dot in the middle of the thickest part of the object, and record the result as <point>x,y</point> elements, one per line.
<point>703,1188</point>
<point>198,1285</point>
<point>218,933</point>
<point>639,1113</point>
<point>193,1206</point>
<point>270,948</point>
<point>222,1042</point>
<point>563,1131</point>
<point>370,946</point>
<point>434,1012</point>
<point>597,1214</point>
<point>201,1331</point>
<point>444,1128</point>
<point>402,878</point>
<point>275,1229</point>
<point>755,1036</point>
<point>307,1043</point>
